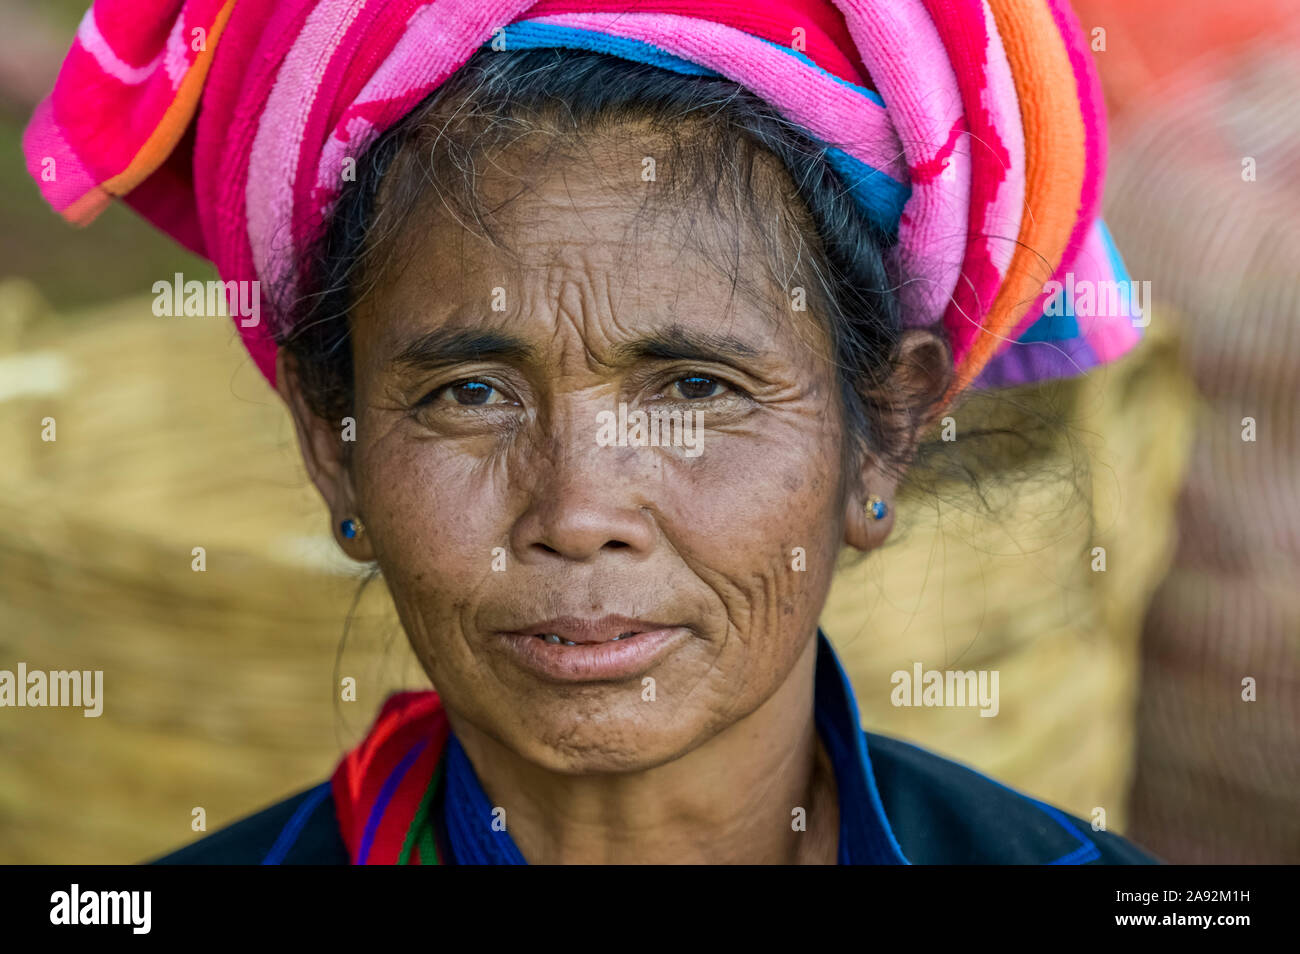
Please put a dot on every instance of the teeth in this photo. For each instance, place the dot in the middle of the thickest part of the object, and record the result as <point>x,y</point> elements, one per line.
<point>556,640</point>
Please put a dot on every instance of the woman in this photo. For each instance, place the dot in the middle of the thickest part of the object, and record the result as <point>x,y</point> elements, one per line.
<point>605,326</point>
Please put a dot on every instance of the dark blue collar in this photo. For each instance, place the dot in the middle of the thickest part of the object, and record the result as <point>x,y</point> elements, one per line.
<point>865,835</point>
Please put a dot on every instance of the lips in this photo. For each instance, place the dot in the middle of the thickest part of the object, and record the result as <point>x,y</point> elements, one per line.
<point>612,648</point>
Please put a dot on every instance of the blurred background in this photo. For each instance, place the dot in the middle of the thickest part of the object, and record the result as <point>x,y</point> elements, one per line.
<point>1120,690</point>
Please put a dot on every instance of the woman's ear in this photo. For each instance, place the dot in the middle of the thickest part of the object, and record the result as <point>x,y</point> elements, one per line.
<point>908,403</point>
<point>325,454</point>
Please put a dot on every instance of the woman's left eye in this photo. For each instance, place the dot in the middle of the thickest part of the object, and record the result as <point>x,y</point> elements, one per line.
<point>693,387</point>
<point>470,394</point>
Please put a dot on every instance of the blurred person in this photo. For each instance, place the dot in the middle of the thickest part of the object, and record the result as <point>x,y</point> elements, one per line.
<point>1203,196</point>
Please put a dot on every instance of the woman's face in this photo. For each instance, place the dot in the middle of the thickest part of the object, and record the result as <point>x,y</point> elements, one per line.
<point>500,514</point>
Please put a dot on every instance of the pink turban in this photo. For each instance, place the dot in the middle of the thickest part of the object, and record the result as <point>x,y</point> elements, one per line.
<point>971,129</point>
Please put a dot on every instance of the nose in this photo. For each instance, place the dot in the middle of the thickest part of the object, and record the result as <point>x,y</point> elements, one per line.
<point>585,500</point>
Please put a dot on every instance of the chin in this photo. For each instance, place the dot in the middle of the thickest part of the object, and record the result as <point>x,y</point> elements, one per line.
<point>592,736</point>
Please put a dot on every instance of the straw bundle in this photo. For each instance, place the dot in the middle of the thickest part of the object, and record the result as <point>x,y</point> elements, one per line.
<point>219,685</point>
<point>1007,583</point>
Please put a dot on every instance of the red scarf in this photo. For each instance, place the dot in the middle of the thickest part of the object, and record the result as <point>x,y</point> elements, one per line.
<point>379,785</point>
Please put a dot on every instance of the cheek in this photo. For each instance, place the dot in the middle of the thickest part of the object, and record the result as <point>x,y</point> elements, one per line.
<point>757,521</point>
<point>436,518</point>
<point>757,515</point>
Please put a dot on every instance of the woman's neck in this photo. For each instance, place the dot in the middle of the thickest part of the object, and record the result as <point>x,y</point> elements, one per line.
<point>732,800</point>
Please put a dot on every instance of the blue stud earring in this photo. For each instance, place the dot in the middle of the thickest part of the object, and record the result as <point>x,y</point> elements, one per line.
<point>351,528</point>
<point>876,507</point>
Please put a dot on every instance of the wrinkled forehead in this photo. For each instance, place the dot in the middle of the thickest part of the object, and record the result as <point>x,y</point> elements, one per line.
<point>594,242</point>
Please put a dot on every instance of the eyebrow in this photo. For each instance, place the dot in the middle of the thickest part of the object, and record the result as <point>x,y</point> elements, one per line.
<point>447,346</point>
<point>676,343</point>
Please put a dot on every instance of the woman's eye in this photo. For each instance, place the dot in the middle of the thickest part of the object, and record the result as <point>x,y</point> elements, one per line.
<point>696,386</point>
<point>471,394</point>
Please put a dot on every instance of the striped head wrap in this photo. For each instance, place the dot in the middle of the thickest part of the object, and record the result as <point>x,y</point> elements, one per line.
<point>972,130</point>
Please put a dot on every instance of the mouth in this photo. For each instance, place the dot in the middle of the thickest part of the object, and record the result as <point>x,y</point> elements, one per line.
<point>579,631</point>
<point>556,639</point>
<point>572,649</point>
